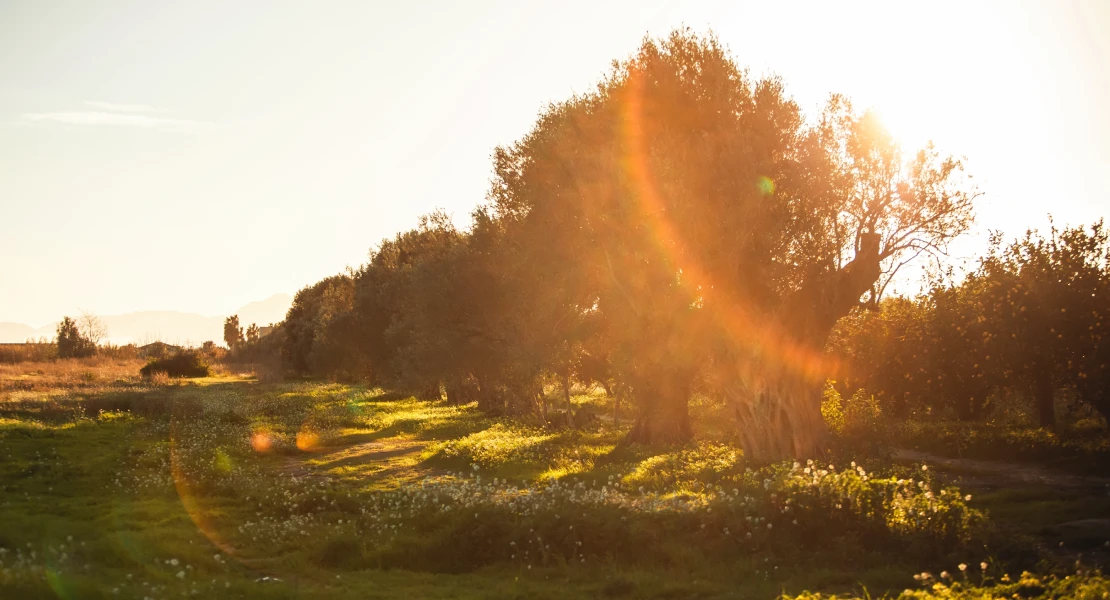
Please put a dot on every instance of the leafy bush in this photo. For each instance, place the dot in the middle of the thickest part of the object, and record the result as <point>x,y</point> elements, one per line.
<point>188,363</point>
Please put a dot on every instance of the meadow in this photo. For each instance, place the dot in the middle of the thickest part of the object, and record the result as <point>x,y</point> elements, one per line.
<point>116,486</point>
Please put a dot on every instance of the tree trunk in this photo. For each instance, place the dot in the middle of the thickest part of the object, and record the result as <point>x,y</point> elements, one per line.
<point>964,409</point>
<point>780,418</point>
<point>664,415</point>
<point>566,397</point>
<point>542,400</point>
<point>1043,393</point>
<point>616,409</point>
<point>664,422</point>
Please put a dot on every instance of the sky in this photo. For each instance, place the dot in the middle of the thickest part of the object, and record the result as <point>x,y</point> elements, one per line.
<point>197,156</point>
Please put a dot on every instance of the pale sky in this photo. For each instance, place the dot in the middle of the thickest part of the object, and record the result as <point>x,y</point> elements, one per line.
<point>197,156</point>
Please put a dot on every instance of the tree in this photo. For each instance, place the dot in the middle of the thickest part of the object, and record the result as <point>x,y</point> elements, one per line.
<point>252,333</point>
<point>1050,296</point>
<point>233,332</point>
<point>319,330</point>
<point>693,213</point>
<point>71,343</point>
<point>92,328</point>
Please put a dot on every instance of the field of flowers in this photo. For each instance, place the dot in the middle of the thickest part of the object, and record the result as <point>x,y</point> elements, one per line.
<point>115,487</point>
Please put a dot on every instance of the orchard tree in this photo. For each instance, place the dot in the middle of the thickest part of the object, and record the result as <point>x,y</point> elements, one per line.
<point>694,214</point>
<point>1051,296</point>
<point>318,329</point>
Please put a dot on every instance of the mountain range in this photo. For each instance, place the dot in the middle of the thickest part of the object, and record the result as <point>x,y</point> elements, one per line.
<point>168,326</point>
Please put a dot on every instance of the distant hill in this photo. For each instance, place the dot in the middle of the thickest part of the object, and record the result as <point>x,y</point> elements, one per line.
<point>172,327</point>
<point>263,312</point>
<point>16,332</point>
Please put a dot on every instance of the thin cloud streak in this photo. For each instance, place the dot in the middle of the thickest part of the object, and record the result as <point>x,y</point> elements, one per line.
<point>126,108</point>
<point>99,118</point>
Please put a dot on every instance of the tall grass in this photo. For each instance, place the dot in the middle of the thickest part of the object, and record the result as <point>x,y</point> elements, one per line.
<point>29,352</point>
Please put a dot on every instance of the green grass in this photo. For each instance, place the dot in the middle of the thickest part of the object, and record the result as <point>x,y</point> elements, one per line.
<point>220,486</point>
<point>1082,448</point>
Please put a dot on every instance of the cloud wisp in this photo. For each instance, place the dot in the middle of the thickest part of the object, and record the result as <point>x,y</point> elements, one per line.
<point>127,108</point>
<point>118,115</point>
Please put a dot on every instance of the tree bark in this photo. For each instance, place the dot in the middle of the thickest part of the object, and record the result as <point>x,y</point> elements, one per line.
<point>780,417</point>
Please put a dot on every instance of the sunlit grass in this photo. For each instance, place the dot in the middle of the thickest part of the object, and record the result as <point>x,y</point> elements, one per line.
<point>350,480</point>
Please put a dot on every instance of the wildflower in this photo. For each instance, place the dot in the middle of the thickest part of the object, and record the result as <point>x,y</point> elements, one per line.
<point>967,498</point>
<point>963,567</point>
<point>944,574</point>
<point>983,566</point>
<point>924,467</point>
<point>181,574</point>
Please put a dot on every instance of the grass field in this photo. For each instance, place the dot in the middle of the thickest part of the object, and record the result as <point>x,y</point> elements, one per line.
<point>112,486</point>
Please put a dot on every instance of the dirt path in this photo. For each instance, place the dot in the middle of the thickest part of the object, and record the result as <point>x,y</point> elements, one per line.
<point>990,473</point>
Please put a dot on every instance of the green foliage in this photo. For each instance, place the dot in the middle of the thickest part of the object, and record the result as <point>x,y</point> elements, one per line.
<point>858,416</point>
<point>320,331</point>
<point>186,363</point>
<point>1028,323</point>
<point>71,343</point>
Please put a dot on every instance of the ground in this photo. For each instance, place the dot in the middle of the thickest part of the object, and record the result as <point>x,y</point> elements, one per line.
<point>111,486</point>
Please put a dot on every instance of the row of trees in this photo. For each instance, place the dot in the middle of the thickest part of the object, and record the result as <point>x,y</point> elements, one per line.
<point>680,229</point>
<point>1030,320</point>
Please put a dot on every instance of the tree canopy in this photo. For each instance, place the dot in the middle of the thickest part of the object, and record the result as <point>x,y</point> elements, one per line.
<point>680,228</point>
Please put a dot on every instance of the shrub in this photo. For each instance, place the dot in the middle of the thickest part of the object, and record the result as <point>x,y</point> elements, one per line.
<point>188,363</point>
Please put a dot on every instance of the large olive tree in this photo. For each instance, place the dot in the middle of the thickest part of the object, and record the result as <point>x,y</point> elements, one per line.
<point>715,234</point>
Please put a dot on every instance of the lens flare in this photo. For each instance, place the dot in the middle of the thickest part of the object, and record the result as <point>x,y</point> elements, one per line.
<point>189,500</point>
<point>766,185</point>
<point>261,441</point>
<point>757,336</point>
<point>307,441</point>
